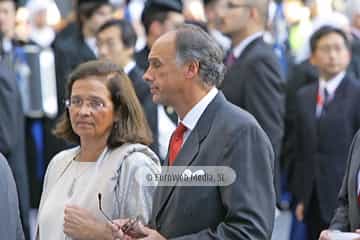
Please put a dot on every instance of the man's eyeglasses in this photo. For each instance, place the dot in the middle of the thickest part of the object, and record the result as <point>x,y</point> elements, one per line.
<point>131,227</point>
<point>77,102</point>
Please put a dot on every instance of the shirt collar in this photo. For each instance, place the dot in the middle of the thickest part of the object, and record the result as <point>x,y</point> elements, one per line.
<point>130,66</point>
<point>91,43</point>
<point>244,43</point>
<point>332,84</point>
<point>192,117</point>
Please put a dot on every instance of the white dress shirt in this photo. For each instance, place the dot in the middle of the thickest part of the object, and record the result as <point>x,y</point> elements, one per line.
<point>192,117</point>
<point>330,85</point>
<point>128,67</point>
<point>165,127</point>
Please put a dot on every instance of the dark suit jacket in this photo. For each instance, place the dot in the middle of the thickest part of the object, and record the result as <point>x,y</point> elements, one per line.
<point>10,224</point>
<point>224,136</point>
<point>150,108</point>
<point>347,214</point>
<point>323,143</point>
<point>142,89</point>
<point>12,136</point>
<point>254,83</point>
<point>141,58</point>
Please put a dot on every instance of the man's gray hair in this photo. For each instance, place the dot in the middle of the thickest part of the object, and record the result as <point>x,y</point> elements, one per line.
<point>194,44</point>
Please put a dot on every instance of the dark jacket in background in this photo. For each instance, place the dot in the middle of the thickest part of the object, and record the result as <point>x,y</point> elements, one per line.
<point>322,143</point>
<point>254,83</point>
<point>12,136</point>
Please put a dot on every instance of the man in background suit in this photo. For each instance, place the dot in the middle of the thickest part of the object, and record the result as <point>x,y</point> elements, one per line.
<point>116,41</point>
<point>253,80</point>
<point>159,17</point>
<point>10,224</point>
<point>328,116</point>
<point>185,67</point>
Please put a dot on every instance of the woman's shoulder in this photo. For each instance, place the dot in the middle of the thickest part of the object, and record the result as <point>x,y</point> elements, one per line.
<point>63,157</point>
<point>136,155</point>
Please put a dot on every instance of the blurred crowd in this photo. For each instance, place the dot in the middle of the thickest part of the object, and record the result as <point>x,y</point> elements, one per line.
<point>300,82</point>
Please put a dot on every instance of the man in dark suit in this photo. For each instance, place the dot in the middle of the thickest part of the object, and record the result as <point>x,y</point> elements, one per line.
<point>185,66</point>
<point>116,41</point>
<point>328,116</point>
<point>253,80</point>
<point>10,224</point>
<point>80,45</point>
<point>158,17</point>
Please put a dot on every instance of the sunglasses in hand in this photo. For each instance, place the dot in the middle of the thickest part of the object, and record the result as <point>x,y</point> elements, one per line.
<point>132,227</point>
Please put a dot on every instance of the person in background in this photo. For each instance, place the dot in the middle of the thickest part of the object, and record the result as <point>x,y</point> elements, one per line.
<point>158,17</point>
<point>185,68</point>
<point>328,117</point>
<point>116,41</point>
<point>254,80</point>
<point>41,33</point>
<point>212,11</point>
<point>10,226</point>
<point>13,65</point>
<point>90,184</point>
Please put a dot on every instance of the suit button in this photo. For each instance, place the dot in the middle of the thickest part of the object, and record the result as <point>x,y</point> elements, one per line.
<point>158,226</point>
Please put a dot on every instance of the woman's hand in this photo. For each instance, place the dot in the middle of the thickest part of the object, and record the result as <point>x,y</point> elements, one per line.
<point>117,233</point>
<point>80,224</point>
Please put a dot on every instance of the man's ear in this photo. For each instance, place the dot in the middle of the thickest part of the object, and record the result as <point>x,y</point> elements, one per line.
<point>192,69</point>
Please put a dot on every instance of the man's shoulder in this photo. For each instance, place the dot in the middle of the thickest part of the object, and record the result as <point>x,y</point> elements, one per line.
<point>234,116</point>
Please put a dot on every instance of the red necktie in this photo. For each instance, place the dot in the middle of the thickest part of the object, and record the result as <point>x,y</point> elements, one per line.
<point>176,142</point>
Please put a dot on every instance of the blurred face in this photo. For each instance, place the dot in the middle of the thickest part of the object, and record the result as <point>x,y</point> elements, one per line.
<point>173,20</point>
<point>99,17</point>
<point>91,109</point>
<point>356,21</point>
<point>111,47</point>
<point>234,15</point>
<point>40,18</point>
<point>331,55</point>
<point>7,18</point>
<point>164,76</point>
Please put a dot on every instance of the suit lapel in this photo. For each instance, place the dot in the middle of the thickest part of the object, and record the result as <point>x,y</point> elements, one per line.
<point>190,148</point>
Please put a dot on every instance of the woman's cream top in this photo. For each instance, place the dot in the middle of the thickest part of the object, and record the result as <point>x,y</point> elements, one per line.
<point>125,193</point>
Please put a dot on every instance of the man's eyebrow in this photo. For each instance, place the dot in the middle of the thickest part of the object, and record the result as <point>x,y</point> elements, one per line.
<point>154,59</point>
